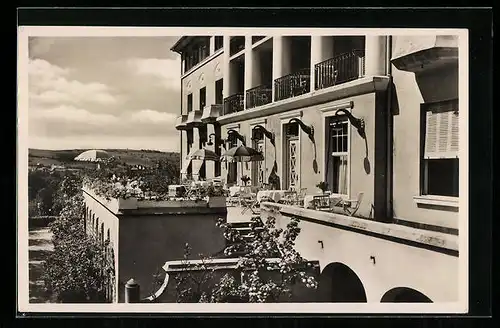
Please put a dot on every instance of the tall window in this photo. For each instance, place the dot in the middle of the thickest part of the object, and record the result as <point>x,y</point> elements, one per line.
<point>292,156</point>
<point>218,152</point>
<point>218,92</point>
<point>203,97</point>
<point>219,42</point>
<point>258,167</point>
<point>190,102</point>
<point>440,148</point>
<point>337,158</point>
<point>232,168</point>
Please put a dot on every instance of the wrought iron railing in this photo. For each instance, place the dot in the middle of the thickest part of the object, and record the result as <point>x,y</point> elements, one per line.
<point>233,104</point>
<point>340,69</point>
<point>292,85</point>
<point>236,44</point>
<point>259,96</point>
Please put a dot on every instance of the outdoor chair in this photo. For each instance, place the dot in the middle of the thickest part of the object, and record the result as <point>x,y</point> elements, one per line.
<point>248,201</point>
<point>351,206</point>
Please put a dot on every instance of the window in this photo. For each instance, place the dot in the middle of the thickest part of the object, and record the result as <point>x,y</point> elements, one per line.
<point>440,159</point>
<point>258,176</point>
<point>202,135</point>
<point>218,152</point>
<point>337,158</point>
<point>203,97</point>
<point>232,168</point>
<point>292,156</point>
<point>190,102</point>
<point>219,42</point>
<point>218,92</point>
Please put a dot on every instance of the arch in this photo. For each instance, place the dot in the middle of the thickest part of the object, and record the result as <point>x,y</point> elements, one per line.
<point>108,235</point>
<point>340,284</point>
<point>96,228</point>
<point>404,295</point>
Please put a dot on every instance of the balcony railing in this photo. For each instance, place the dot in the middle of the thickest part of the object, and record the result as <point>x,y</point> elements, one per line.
<point>236,44</point>
<point>292,85</point>
<point>259,96</point>
<point>233,104</point>
<point>340,69</point>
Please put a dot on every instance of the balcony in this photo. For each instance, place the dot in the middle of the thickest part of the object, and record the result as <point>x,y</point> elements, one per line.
<point>292,85</point>
<point>340,69</point>
<point>211,112</point>
<point>194,119</point>
<point>258,96</point>
<point>181,122</point>
<point>233,104</point>
<point>236,45</point>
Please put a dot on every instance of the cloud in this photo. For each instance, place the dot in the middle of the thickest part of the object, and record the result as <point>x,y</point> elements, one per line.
<point>150,116</point>
<point>72,115</point>
<point>167,71</point>
<point>50,84</point>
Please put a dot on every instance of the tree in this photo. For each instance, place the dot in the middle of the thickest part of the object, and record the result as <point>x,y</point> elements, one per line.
<point>75,272</point>
<point>268,264</point>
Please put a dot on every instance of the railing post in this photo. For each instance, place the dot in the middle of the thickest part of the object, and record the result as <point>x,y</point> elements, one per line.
<point>132,291</point>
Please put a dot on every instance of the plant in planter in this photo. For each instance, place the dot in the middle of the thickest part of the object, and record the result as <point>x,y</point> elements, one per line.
<point>323,186</point>
<point>245,179</point>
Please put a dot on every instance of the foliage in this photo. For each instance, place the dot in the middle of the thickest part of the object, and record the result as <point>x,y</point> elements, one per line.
<point>75,272</point>
<point>323,186</point>
<point>245,179</point>
<point>268,264</point>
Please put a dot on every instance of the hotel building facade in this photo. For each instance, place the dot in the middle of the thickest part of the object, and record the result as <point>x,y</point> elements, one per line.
<point>374,116</point>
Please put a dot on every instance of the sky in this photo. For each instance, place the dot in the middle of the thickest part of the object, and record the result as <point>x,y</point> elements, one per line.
<point>103,92</point>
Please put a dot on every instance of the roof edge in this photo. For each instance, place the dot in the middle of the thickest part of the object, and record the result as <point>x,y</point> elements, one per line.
<point>181,43</point>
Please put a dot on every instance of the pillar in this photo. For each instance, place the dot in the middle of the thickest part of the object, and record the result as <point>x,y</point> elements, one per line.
<point>132,292</point>
<point>375,53</point>
<point>225,67</point>
<point>277,61</point>
<point>321,50</point>
<point>212,45</point>
<point>210,165</point>
<point>248,83</point>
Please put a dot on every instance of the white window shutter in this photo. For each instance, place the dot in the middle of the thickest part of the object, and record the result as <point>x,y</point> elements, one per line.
<point>441,130</point>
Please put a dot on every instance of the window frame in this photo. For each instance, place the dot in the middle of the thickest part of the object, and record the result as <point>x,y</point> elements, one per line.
<point>347,154</point>
<point>189,103</point>
<point>423,196</point>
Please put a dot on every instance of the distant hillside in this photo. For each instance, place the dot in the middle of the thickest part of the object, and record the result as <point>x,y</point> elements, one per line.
<point>129,156</point>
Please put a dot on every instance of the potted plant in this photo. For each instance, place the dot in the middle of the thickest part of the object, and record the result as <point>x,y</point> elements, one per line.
<point>214,195</point>
<point>323,186</point>
<point>245,180</point>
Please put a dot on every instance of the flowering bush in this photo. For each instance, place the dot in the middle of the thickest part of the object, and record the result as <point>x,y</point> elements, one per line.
<point>268,266</point>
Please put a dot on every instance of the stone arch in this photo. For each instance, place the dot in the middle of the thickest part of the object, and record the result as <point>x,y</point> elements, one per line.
<point>340,284</point>
<point>404,295</point>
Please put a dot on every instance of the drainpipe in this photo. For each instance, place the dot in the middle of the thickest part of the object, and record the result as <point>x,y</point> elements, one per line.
<point>390,133</point>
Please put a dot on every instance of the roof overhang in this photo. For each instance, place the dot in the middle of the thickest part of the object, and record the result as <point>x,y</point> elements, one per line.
<point>181,44</point>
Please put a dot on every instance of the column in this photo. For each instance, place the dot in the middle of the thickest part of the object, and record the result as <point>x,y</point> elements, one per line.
<point>315,57</point>
<point>375,52</point>
<point>277,61</point>
<point>321,50</point>
<point>225,67</point>
<point>210,165</point>
<point>248,83</point>
<point>212,45</point>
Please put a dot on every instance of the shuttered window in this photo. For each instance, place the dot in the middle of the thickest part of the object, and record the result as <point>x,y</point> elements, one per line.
<point>440,149</point>
<point>441,130</point>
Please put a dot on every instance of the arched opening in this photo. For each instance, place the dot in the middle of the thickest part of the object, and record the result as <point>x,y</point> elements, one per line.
<point>404,295</point>
<point>339,284</point>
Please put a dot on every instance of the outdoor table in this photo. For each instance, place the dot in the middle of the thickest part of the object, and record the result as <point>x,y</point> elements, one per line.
<point>308,200</point>
<point>176,190</point>
<point>274,195</point>
<point>234,191</point>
